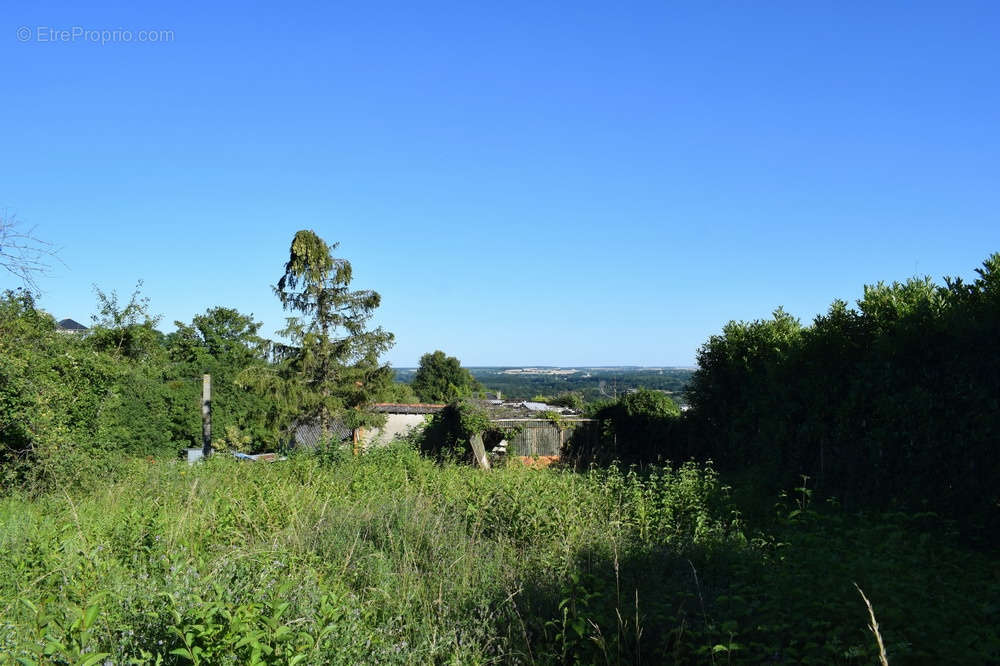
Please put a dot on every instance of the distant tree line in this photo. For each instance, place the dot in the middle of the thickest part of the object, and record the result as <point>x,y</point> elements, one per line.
<point>592,385</point>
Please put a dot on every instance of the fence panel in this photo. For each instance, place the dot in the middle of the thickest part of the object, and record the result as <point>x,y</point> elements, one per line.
<point>542,437</point>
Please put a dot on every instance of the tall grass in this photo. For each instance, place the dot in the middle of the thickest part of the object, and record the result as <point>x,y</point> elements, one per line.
<point>390,558</point>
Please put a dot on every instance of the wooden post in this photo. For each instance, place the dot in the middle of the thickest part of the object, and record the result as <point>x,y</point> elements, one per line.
<point>479,451</point>
<point>206,415</point>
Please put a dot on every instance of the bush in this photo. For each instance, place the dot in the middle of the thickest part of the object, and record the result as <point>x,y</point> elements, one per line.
<point>447,434</point>
<point>890,403</point>
<point>638,427</point>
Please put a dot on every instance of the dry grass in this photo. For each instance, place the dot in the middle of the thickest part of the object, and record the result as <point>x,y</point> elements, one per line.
<point>874,628</point>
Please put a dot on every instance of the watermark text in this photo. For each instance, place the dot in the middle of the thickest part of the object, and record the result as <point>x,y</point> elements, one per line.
<point>46,34</point>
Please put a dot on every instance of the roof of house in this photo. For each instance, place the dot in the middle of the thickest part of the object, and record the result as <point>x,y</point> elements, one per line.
<point>402,408</point>
<point>71,325</point>
<point>520,409</point>
<point>309,433</point>
<point>541,407</point>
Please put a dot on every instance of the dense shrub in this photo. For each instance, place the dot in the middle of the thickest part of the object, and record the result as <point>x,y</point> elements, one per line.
<point>638,427</point>
<point>63,404</point>
<point>895,401</point>
<point>447,433</point>
<point>69,401</point>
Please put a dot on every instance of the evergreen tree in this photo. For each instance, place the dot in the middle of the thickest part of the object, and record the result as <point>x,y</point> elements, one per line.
<point>331,365</point>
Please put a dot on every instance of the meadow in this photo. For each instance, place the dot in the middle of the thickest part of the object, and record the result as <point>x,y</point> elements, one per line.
<point>392,558</point>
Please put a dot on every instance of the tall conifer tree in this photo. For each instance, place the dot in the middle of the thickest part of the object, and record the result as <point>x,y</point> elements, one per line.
<point>331,363</point>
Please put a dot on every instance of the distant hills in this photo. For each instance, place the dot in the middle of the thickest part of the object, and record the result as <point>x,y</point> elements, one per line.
<point>592,382</point>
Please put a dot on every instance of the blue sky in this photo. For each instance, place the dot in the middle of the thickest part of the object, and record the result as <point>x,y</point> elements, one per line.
<point>524,183</point>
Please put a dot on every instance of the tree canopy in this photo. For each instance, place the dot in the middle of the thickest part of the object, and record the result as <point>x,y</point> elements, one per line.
<point>441,378</point>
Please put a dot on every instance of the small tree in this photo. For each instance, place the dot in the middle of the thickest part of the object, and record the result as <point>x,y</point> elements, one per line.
<point>125,331</point>
<point>569,399</point>
<point>224,343</point>
<point>225,335</point>
<point>332,361</point>
<point>442,378</point>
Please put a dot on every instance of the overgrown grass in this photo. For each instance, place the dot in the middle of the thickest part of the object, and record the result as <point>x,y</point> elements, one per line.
<point>390,558</point>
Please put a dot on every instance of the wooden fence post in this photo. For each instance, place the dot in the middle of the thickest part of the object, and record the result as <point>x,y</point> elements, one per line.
<point>206,415</point>
<point>479,451</point>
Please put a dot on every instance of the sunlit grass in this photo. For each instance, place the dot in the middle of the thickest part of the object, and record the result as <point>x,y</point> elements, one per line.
<point>391,558</point>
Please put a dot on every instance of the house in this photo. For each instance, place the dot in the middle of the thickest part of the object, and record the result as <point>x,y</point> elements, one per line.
<point>307,433</point>
<point>71,327</point>
<point>400,419</point>
<point>531,437</point>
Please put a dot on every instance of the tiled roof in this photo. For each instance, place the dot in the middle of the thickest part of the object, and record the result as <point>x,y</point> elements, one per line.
<point>70,325</point>
<point>401,408</point>
<point>309,433</point>
<point>520,409</point>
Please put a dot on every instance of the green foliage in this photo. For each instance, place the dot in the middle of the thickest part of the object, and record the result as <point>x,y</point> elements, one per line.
<point>125,331</point>
<point>795,602</point>
<point>220,336</point>
<point>331,367</point>
<point>447,433</point>
<point>392,558</point>
<point>399,392</point>
<point>225,344</point>
<point>570,400</point>
<point>68,402</point>
<point>442,379</point>
<point>639,426</point>
<point>892,402</point>
<point>65,405</point>
<point>645,403</point>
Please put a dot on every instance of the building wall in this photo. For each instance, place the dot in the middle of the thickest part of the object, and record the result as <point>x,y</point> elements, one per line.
<point>395,425</point>
<point>541,437</point>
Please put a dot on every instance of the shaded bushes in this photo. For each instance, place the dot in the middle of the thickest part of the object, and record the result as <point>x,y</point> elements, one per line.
<point>894,401</point>
<point>638,427</point>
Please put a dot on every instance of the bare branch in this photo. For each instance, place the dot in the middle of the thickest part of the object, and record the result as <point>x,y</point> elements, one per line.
<point>22,253</point>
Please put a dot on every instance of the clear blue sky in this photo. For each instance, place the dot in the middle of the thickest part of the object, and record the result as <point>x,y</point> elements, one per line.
<point>524,183</point>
